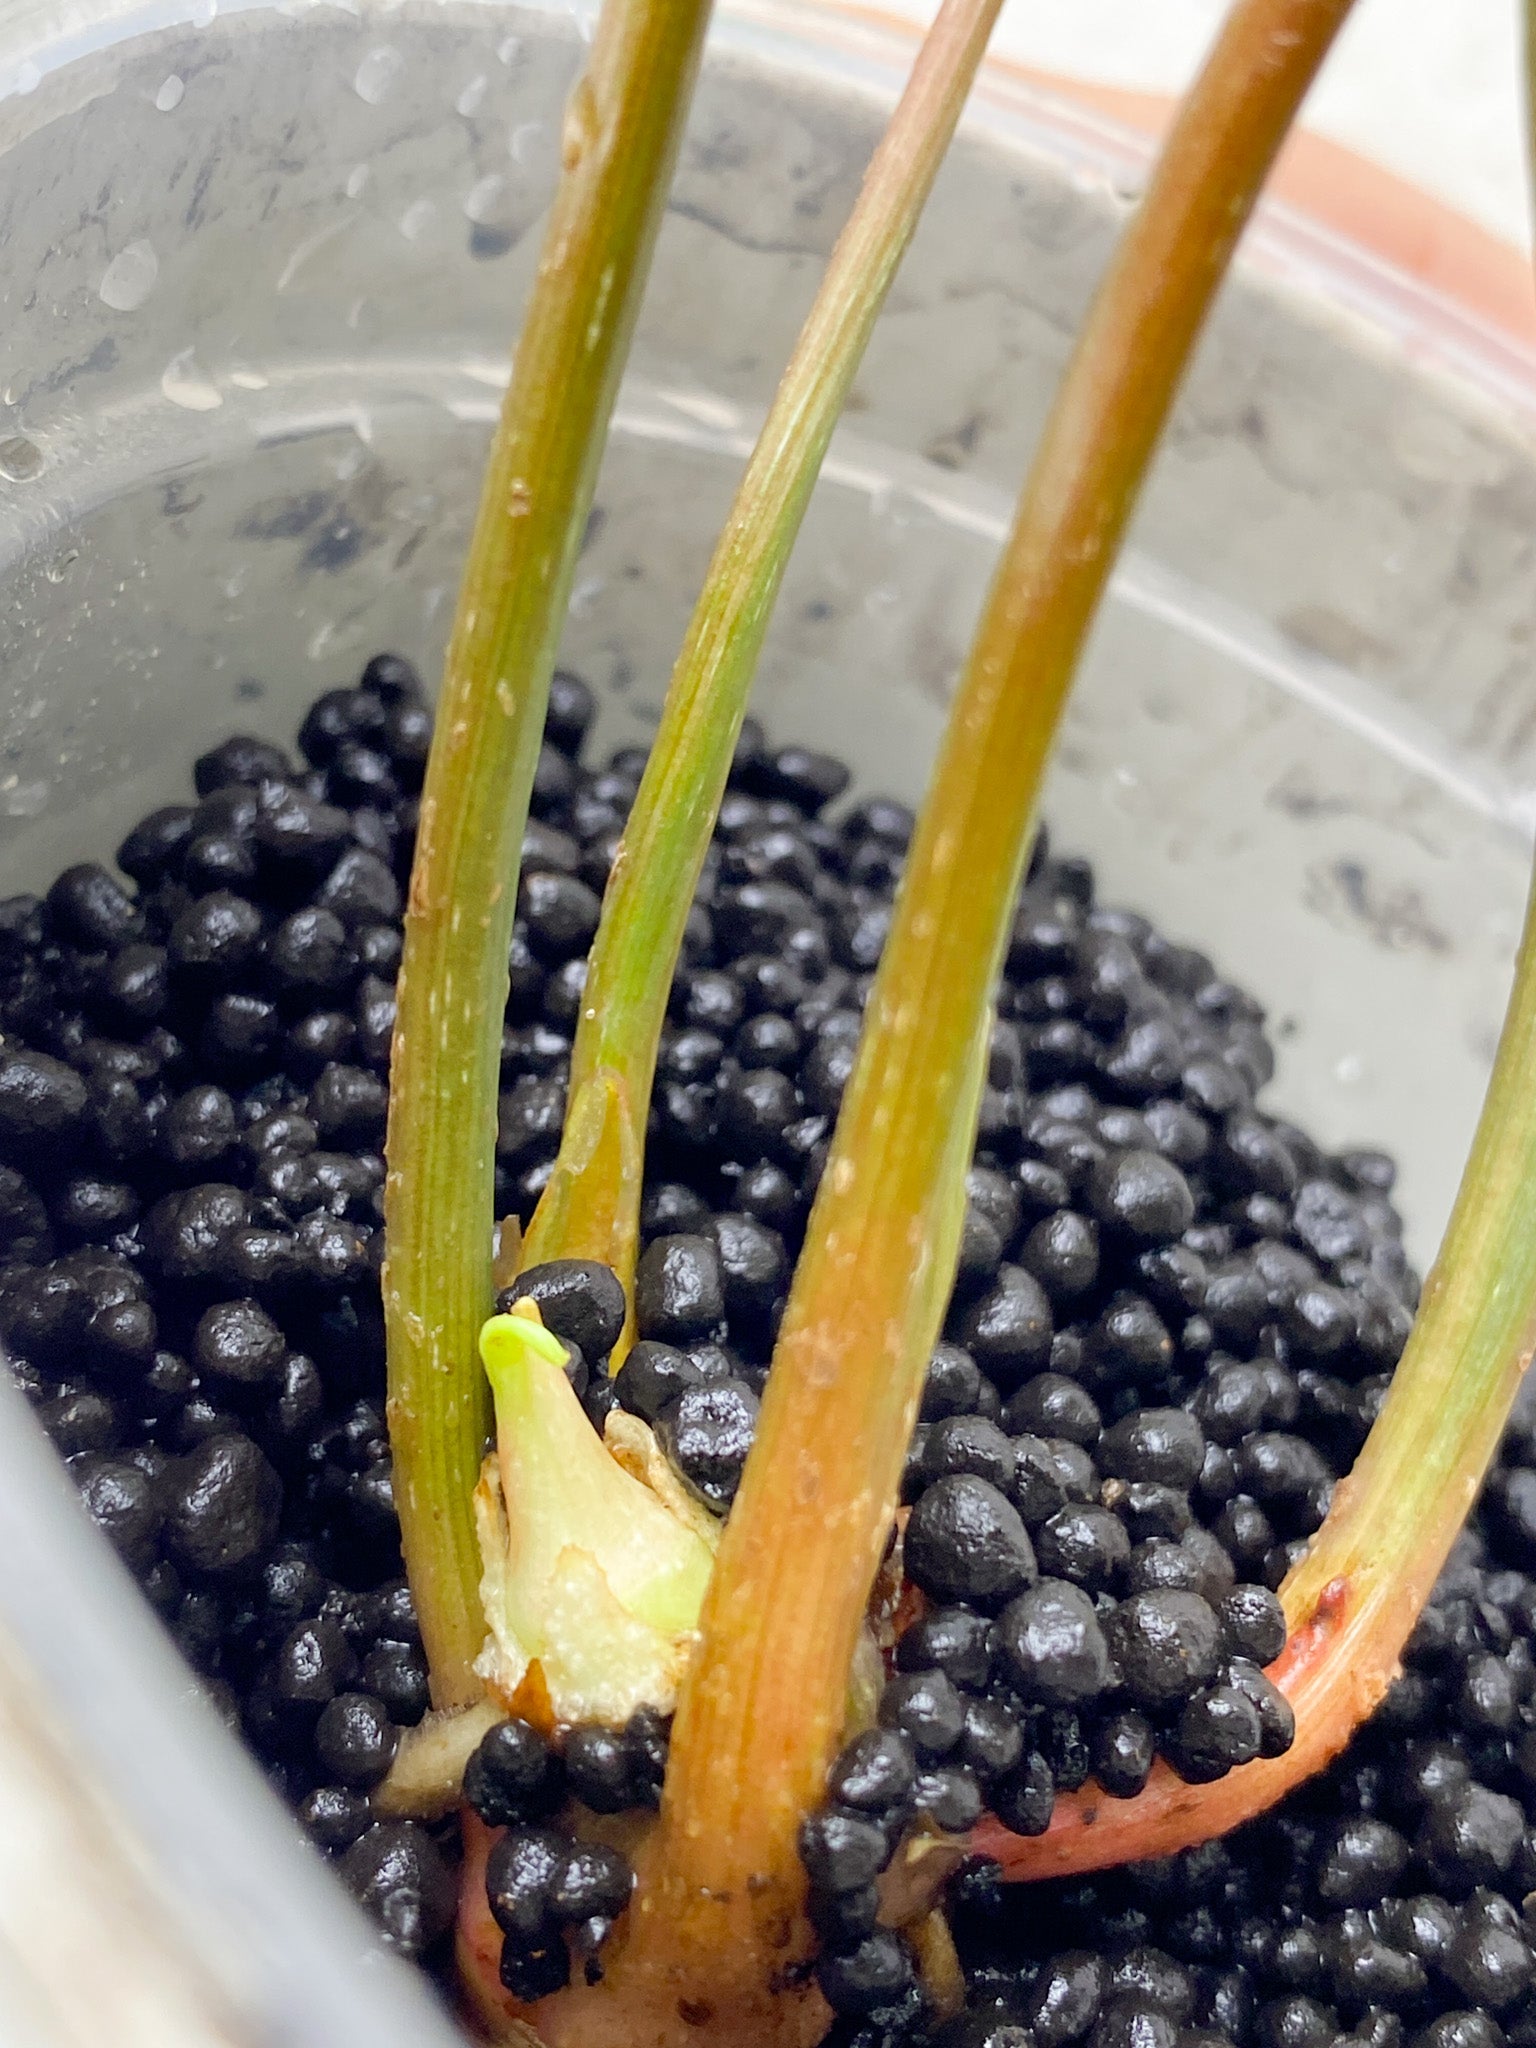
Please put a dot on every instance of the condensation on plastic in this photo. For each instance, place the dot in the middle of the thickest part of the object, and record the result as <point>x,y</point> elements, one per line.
<point>260,268</point>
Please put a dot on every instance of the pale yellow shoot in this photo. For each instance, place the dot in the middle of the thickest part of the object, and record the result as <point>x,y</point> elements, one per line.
<point>588,1571</point>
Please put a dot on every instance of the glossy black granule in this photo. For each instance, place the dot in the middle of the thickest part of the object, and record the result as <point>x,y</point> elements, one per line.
<point>1173,1323</point>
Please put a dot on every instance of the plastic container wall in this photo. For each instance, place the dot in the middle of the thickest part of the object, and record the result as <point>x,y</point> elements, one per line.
<point>261,270</point>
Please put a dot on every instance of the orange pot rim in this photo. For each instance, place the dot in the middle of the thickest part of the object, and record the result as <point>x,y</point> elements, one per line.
<point>1447,294</point>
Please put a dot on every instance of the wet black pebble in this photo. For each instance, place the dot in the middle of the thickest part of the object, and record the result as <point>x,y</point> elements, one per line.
<point>1008,1331</point>
<point>1052,1405</point>
<point>875,1773</point>
<point>966,1541</point>
<point>1064,2001</point>
<point>1164,1445</point>
<point>679,1293</point>
<point>600,1769</point>
<point>521,1868</point>
<point>652,1377</point>
<point>1216,1731</point>
<point>579,1299</point>
<point>125,1502</point>
<point>870,1975</point>
<point>707,1433</point>
<point>224,1505</point>
<point>1083,1543</point>
<point>42,1102</point>
<point>1470,1837</point>
<point>313,1662</point>
<point>355,1739</point>
<point>842,1851</point>
<point>1143,1195</point>
<point>955,1640</point>
<point>1124,1747</point>
<point>334,1816</point>
<point>591,1880</point>
<point>1166,1646</point>
<point>1052,1645</point>
<point>397,1872</point>
<point>1252,1623</point>
<point>926,1707</point>
<point>513,1775</point>
<point>238,1341</point>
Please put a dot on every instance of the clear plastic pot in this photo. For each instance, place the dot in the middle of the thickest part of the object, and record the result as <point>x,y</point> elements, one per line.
<point>261,268</point>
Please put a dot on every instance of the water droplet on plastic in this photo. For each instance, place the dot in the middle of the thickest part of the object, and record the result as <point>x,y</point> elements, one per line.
<point>24,799</point>
<point>170,95</point>
<point>247,380</point>
<point>377,73</point>
<point>472,97</point>
<point>357,178</point>
<point>417,219</point>
<point>129,278</point>
<point>28,76</point>
<point>485,199</point>
<point>60,566</point>
<point>20,459</point>
<point>521,140</point>
<point>186,383</point>
<point>509,50</point>
<point>519,498</point>
<point>307,248</point>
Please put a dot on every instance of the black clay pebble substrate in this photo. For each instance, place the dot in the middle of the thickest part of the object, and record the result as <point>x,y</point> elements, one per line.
<point>1173,1324</point>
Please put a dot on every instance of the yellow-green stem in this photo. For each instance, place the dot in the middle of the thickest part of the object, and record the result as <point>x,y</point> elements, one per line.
<point>619,143</point>
<point>761,1709</point>
<point>592,1204</point>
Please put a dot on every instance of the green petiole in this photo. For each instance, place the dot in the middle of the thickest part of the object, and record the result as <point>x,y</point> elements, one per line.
<point>621,135</point>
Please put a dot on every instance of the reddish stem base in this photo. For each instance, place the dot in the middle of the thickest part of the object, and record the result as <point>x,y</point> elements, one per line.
<point>1090,1831</point>
<point>647,2000</point>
